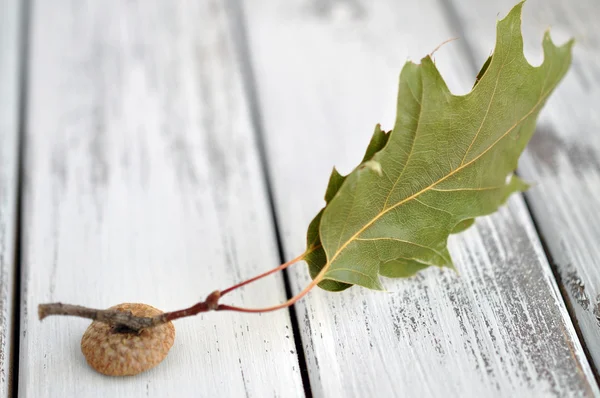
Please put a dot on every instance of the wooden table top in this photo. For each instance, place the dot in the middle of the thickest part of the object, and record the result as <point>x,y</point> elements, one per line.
<point>154,151</point>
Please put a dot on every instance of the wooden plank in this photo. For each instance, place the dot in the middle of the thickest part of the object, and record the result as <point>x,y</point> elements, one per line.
<point>10,19</point>
<point>326,72</point>
<point>563,160</point>
<point>143,184</point>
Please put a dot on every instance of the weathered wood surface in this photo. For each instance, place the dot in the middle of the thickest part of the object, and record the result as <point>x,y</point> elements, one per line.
<point>143,184</point>
<point>563,160</point>
<point>326,72</point>
<point>9,114</point>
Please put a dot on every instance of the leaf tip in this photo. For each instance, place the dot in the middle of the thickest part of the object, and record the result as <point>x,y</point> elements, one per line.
<point>510,23</point>
<point>517,9</point>
<point>548,40</point>
<point>452,267</point>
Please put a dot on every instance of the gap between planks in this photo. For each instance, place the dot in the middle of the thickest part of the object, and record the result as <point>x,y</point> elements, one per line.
<point>249,83</point>
<point>12,53</point>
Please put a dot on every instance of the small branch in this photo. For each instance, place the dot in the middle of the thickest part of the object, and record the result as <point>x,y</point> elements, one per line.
<point>118,318</point>
<point>210,304</point>
<point>125,321</point>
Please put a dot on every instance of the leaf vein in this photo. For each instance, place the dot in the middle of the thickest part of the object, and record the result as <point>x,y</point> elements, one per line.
<point>357,272</point>
<point>468,189</point>
<point>404,241</point>
<point>433,207</point>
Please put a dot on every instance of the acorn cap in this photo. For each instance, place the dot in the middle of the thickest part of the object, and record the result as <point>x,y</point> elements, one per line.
<point>116,353</point>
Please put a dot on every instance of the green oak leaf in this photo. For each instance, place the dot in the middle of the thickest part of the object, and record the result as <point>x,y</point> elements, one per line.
<point>448,160</point>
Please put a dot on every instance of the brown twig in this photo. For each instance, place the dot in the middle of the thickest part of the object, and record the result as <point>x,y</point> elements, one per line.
<point>113,317</point>
<point>127,322</point>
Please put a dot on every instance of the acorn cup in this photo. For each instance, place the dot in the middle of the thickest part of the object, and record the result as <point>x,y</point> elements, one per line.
<point>122,352</point>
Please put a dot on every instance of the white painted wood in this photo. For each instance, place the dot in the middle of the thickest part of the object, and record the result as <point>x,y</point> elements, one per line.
<point>143,185</point>
<point>9,113</point>
<point>563,159</point>
<point>326,72</point>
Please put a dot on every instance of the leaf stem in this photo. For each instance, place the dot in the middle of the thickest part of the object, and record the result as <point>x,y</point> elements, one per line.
<point>291,301</point>
<point>126,322</point>
<point>277,269</point>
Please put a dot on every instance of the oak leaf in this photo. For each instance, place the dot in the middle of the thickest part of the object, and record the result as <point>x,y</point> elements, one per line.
<point>448,160</point>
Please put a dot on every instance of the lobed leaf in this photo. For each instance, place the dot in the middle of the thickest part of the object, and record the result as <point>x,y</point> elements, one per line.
<point>448,160</point>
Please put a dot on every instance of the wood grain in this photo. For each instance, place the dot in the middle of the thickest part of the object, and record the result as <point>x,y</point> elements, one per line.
<point>326,72</point>
<point>143,184</point>
<point>10,40</point>
<point>563,159</point>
